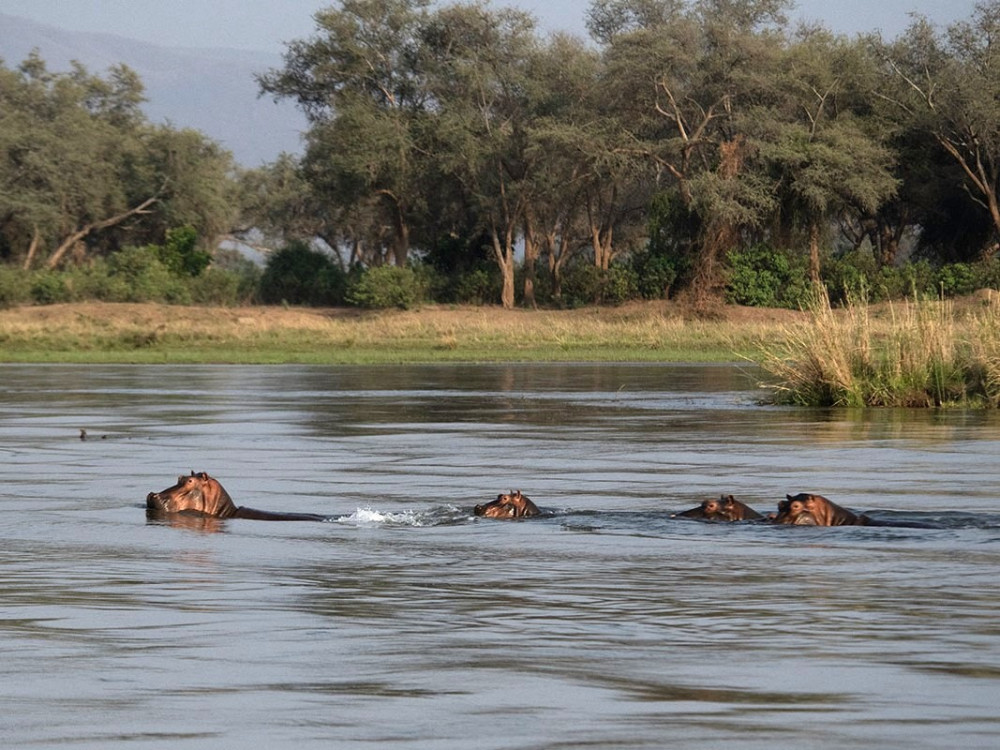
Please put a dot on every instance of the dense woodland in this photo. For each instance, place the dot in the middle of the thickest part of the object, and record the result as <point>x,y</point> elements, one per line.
<point>457,153</point>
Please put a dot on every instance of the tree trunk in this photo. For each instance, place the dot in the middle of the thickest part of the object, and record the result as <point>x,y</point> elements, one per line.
<point>401,245</point>
<point>531,252</point>
<point>78,235</point>
<point>503,251</point>
<point>720,234</point>
<point>706,284</point>
<point>814,253</point>
<point>32,249</point>
<point>601,241</point>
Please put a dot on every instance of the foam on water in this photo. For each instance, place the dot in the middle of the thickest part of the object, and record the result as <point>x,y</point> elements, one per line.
<point>368,516</point>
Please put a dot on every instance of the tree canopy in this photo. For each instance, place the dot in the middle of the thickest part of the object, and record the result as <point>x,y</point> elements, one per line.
<point>82,173</point>
<point>682,140</point>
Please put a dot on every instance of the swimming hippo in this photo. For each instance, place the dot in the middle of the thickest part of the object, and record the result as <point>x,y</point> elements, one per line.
<point>806,509</point>
<point>513,505</point>
<point>726,508</point>
<point>200,494</point>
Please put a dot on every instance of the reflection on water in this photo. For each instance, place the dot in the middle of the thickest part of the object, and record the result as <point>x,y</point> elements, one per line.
<point>405,620</point>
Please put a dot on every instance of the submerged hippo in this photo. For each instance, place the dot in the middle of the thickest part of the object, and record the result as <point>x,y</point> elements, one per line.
<point>726,508</point>
<point>806,509</point>
<point>202,495</point>
<point>512,505</point>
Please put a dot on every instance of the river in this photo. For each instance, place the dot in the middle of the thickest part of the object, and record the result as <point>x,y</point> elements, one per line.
<point>404,621</point>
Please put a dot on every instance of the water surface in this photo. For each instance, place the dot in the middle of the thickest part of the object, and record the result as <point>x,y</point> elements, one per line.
<point>405,622</point>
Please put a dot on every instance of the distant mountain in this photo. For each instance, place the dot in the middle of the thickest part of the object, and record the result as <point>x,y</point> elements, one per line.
<point>211,90</point>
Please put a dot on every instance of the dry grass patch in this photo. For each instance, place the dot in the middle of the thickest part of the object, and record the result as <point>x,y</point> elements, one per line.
<point>926,353</point>
<point>159,333</point>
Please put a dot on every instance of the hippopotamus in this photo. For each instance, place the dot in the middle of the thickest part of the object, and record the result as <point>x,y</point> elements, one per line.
<point>200,494</point>
<point>806,509</point>
<point>512,505</point>
<point>726,508</point>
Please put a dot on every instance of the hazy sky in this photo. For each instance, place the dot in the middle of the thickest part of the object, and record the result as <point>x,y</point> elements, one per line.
<point>267,24</point>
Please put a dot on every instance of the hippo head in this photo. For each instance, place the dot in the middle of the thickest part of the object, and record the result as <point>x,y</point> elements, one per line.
<point>793,510</point>
<point>198,493</point>
<point>511,505</point>
<point>709,510</point>
<point>721,509</point>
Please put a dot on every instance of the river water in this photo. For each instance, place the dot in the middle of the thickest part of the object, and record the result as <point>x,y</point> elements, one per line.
<point>404,622</point>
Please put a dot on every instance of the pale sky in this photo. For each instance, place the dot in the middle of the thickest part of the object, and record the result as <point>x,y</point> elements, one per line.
<point>267,24</point>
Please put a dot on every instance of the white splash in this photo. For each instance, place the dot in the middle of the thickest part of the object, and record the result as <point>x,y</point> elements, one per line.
<point>368,516</point>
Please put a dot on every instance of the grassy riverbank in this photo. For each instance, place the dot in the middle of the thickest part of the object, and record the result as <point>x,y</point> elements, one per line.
<point>151,333</point>
<point>902,354</point>
<point>925,354</point>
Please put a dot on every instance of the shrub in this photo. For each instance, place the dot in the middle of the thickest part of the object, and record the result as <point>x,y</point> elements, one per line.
<point>299,275</point>
<point>13,286</point>
<point>381,287</point>
<point>954,279</point>
<point>480,286</point>
<point>656,274</point>
<point>621,283</point>
<point>761,276</point>
<point>180,254</point>
<point>48,288</point>
<point>136,274</point>
<point>581,285</point>
<point>586,284</point>
<point>217,287</point>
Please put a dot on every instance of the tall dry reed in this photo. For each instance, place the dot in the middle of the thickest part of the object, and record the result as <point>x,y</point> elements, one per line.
<point>920,353</point>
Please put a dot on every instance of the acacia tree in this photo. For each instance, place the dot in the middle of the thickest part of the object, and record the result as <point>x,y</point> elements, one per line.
<point>689,75</point>
<point>947,85</point>
<point>83,173</point>
<point>829,162</point>
<point>478,63</point>
<point>63,141</point>
<point>359,82</point>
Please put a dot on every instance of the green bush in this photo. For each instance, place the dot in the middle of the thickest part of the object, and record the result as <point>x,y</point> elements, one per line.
<point>855,276</point>
<point>956,279</point>
<point>48,288</point>
<point>761,276</point>
<point>136,274</point>
<point>621,283</point>
<point>232,279</point>
<point>299,275</point>
<point>180,254</point>
<point>381,287</point>
<point>656,275</point>
<point>218,287</point>
<point>581,285</point>
<point>586,284</point>
<point>481,286</point>
<point>14,287</point>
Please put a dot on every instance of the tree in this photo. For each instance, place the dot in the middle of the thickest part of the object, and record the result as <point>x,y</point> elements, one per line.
<point>82,172</point>
<point>829,162</point>
<point>360,83</point>
<point>691,77</point>
<point>948,87</point>
<point>478,63</point>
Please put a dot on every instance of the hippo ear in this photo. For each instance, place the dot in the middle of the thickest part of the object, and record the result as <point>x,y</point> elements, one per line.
<point>788,496</point>
<point>729,499</point>
<point>202,475</point>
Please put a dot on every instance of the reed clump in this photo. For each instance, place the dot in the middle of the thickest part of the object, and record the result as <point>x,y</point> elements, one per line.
<point>921,353</point>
